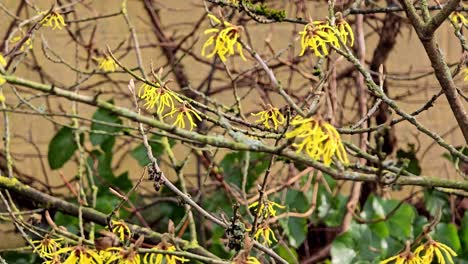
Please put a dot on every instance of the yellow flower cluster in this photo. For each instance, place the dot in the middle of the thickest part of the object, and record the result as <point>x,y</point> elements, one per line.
<point>252,260</point>
<point>79,254</point>
<point>158,258</point>
<point>121,230</point>
<point>465,71</point>
<point>122,256</point>
<point>424,254</point>
<point>3,63</point>
<point>271,114</point>
<point>224,37</point>
<point>53,20</point>
<point>184,112</point>
<point>26,45</point>
<point>319,139</point>
<point>160,95</point>
<point>266,233</point>
<point>106,63</point>
<point>432,248</point>
<point>46,247</point>
<point>458,18</point>
<point>265,210</point>
<point>317,35</point>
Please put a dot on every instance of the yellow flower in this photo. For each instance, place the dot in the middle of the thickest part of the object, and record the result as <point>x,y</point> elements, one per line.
<point>53,19</point>
<point>121,229</point>
<point>431,248</point>
<point>105,255</point>
<point>185,111</point>
<point>465,71</point>
<point>123,256</point>
<point>107,64</point>
<point>270,208</point>
<point>157,258</point>
<point>253,260</point>
<point>80,255</point>
<point>46,247</point>
<point>344,29</point>
<point>272,114</point>
<point>157,94</point>
<point>3,63</point>
<point>264,231</point>
<point>54,260</point>
<point>26,45</point>
<point>458,18</point>
<point>319,139</point>
<point>403,258</point>
<point>315,36</point>
<point>224,40</point>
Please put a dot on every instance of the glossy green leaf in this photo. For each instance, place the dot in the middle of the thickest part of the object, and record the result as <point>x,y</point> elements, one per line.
<point>410,156</point>
<point>287,253</point>
<point>435,201</point>
<point>342,250</point>
<point>61,148</point>
<point>296,201</point>
<point>401,221</point>
<point>233,164</point>
<point>447,234</point>
<point>157,148</point>
<point>295,229</point>
<point>106,116</point>
<point>463,233</point>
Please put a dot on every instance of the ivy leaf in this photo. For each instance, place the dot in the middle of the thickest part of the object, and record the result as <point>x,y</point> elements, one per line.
<point>157,148</point>
<point>409,155</point>
<point>107,116</point>
<point>296,230</point>
<point>233,163</point>
<point>61,148</point>
<point>463,233</point>
<point>288,254</point>
<point>342,250</point>
<point>296,201</point>
<point>401,222</point>
<point>447,234</point>
<point>435,200</point>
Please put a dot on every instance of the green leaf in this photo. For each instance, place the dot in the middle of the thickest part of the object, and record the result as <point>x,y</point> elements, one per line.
<point>123,182</point>
<point>21,258</point>
<point>435,200</point>
<point>107,202</point>
<point>331,209</point>
<point>342,250</point>
<point>296,201</point>
<point>401,222</point>
<point>463,233</point>
<point>233,164</point>
<point>68,221</point>
<point>61,148</point>
<point>448,235</point>
<point>418,225</point>
<point>107,116</point>
<point>295,229</point>
<point>157,148</point>
<point>410,156</point>
<point>288,254</point>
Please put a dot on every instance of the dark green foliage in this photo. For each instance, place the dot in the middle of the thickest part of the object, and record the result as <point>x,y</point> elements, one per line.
<point>232,166</point>
<point>62,147</point>
<point>409,156</point>
<point>104,116</point>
